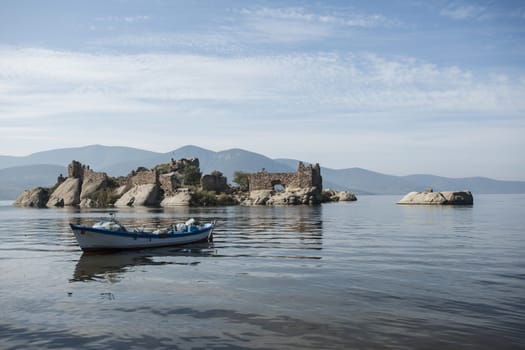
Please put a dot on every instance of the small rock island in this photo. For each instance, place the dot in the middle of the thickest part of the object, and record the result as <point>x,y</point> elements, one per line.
<point>165,185</point>
<point>429,197</point>
<point>179,183</point>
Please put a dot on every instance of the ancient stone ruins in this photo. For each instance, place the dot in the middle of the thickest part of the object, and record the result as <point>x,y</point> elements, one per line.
<point>160,186</point>
<point>169,185</point>
<point>302,187</point>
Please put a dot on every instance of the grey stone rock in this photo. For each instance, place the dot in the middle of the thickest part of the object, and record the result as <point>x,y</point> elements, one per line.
<point>90,186</point>
<point>181,197</point>
<point>344,196</point>
<point>139,195</point>
<point>292,196</point>
<point>66,194</point>
<point>438,198</point>
<point>33,198</point>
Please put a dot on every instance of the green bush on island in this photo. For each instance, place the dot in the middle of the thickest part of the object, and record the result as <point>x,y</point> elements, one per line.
<point>242,180</point>
<point>225,199</point>
<point>200,198</point>
<point>191,176</point>
<point>163,168</point>
<point>105,197</point>
<point>216,173</point>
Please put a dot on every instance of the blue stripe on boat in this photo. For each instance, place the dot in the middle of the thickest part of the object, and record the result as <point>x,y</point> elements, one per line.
<point>140,234</point>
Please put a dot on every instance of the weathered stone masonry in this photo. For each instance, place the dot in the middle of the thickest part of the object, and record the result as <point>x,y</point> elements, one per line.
<point>84,173</point>
<point>305,177</point>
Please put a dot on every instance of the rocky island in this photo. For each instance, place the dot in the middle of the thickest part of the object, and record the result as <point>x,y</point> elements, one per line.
<point>305,186</point>
<point>179,183</point>
<point>438,198</point>
<point>165,185</point>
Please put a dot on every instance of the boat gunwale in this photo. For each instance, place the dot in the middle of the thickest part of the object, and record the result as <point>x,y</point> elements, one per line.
<point>136,235</point>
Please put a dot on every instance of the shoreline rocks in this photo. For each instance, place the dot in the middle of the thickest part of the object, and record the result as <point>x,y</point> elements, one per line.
<point>179,183</point>
<point>86,188</point>
<point>338,196</point>
<point>139,196</point>
<point>299,196</point>
<point>429,197</point>
<point>33,198</point>
<point>66,194</point>
<point>182,197</point>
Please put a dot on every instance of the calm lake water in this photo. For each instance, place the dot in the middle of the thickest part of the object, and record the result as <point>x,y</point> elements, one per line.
<point>362,275</point>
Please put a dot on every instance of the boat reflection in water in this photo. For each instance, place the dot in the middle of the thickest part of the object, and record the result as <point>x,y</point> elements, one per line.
<point>110,266</point>
<point>244,236</point>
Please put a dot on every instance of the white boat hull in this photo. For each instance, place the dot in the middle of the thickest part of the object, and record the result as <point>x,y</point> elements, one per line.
<point>90,238</point>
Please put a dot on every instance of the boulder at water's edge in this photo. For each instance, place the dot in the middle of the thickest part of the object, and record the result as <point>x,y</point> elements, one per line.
<point>34,198</point>
<point>439,198</point>
<point>66,194</point>
<point>139,195</point>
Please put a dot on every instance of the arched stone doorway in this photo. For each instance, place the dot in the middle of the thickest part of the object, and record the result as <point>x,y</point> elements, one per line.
<point>278,186</point>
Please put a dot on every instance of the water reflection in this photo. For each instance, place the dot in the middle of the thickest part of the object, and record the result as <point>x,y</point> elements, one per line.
<point>283,233</point>
<point>110,267</point>
<point>366,275</point>
<point>272,232</point>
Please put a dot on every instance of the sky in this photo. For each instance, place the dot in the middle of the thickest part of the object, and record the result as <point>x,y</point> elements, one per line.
<point>399,87</point>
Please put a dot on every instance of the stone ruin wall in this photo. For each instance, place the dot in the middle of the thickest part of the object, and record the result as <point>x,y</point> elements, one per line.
<point>305,177</point>
<point>94,176</point>
<point>169,183</point>
<point>214,183</point>
<point>181,164</point>
<point>83,172</point>
<point>144,178</point>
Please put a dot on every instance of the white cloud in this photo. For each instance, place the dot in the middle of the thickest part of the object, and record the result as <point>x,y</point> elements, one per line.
<point>45,82</point>
<point>124,19</point>
<point>365,104</point>
<point>182,42</point>
<point>292,24</point>
<point>296,14</point>
<point>247,28</point>
<point>460,11</point>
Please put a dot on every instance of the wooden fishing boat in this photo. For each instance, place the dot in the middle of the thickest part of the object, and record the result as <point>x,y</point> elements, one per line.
<point>109,234</point>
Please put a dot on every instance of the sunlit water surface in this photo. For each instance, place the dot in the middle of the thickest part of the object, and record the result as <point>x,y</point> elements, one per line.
<point>363,275</point>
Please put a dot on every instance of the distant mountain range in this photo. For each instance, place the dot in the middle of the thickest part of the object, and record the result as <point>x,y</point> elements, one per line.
<point>43,168</point>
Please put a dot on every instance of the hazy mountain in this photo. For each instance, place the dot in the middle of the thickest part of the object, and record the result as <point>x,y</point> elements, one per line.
<point>121,160</point>
<point>226,162</point>
<point>362,181</point>
<point>97,156</point>
<point>366,181</point>
<point>9,161</point>
<point>15,180</point>
<point>474,184</point>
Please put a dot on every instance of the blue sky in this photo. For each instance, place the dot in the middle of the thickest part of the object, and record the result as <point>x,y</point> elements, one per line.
<point>400,87</point>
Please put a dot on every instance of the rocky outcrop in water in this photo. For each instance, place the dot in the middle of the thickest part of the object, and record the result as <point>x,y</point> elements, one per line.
<point>140,196</point>
<point>297,196</point>
<point>160,186</point>
<point>179,183</point>
<point>430,197</point>
<point>33,198</point>
<point>338,196</point>
<point>181,197</point>
<point>66,194</point>
<point>301,187</point>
